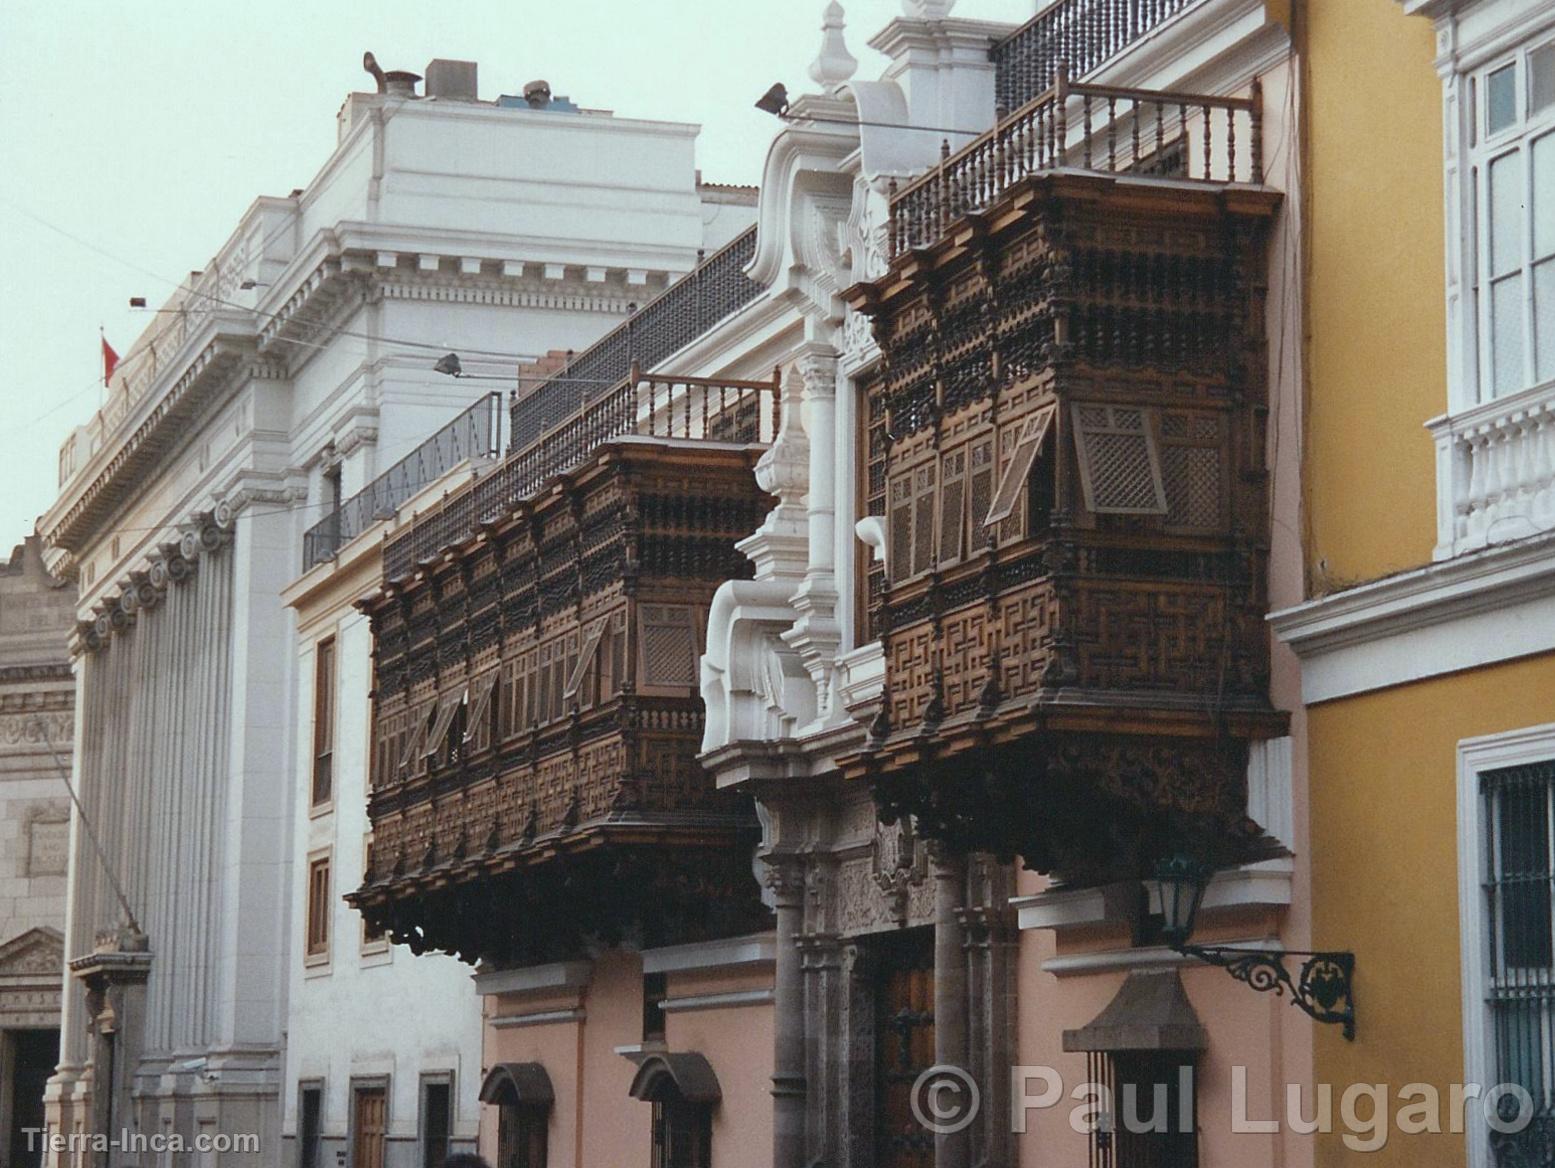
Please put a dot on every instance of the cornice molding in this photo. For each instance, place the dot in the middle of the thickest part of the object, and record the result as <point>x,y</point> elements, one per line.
<point>1475,610</point>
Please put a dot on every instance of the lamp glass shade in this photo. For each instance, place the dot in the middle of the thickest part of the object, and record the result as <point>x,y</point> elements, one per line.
<point>449,364</point>
<point>1183,880</point>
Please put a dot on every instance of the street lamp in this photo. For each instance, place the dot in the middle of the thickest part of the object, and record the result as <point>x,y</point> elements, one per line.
<point>1322,987</point>
<point>775,102</point>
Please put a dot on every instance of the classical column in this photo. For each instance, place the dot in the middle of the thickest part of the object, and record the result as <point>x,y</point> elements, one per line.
<point>785,877</point>
<point>950,993</point>
<point>816,635</point>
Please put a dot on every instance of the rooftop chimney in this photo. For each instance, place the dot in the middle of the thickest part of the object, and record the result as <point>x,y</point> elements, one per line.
<point>451,80</point>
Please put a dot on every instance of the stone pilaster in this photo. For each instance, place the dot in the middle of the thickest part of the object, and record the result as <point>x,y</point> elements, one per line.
<point>785,877</point>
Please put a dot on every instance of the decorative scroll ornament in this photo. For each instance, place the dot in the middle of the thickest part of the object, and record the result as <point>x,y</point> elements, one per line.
<point>834,64</point>
<point>1322,988</point>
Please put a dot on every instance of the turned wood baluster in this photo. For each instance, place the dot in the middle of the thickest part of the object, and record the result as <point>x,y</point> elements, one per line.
<point>1112,134</point>
<point>1134,127</point>
<point>704,411</point>
<point>1182,121</point>
<point>944,153</point>
<point>777,399</point>
<point>1160,133</point>
<point>636,377</point>
<point>1060,114</point>
<point>1207,135</point>
<point>1085,131</point>
<point>1255,116</point>
<point>1231,143</point>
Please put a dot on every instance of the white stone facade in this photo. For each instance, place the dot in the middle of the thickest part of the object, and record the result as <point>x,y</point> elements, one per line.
<point>283,378</point>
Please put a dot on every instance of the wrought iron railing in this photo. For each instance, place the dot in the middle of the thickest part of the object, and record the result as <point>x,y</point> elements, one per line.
<point>475,433</point>
<point>686,408</point>
<point>1120,131</point>
<point>1085,33</point>
<point>672,320</point>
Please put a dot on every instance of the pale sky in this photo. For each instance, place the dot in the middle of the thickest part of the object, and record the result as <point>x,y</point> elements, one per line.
<point>145,129</point>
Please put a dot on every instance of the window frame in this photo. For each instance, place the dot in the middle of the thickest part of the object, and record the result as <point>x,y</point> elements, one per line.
<point>305,1088</point>
<point>1484,149</point>
<point>430,1080</point>
<point>318,955</point>
<point>1492,752</point>
<point>326,718</point>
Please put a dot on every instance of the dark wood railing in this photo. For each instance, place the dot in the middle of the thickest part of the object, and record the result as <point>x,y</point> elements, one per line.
<point>1085,33</point>
<point>642,405</point>
<point>1099,128</point>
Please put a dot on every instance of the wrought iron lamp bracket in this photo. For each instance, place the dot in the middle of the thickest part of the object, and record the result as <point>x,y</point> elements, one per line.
<point>1322,986</point>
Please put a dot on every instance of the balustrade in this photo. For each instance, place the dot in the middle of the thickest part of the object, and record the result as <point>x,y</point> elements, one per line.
<point>1496,472</point>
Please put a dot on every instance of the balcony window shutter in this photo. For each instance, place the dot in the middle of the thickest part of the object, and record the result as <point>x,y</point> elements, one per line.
<point>419,719</point>
<point>982,484</point>
<point>480,703</point>
<point>1192,465</point>
<point>446,709</point>
<point>669,648</point>
<point>952,506</point>
<point>1013,485</point>
<point>899,547</point>
<point>923,519</point>
<point>585,660</point>
<point>1120,464</point>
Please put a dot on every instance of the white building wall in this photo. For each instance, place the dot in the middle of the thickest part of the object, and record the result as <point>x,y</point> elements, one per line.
<point>436,226</point>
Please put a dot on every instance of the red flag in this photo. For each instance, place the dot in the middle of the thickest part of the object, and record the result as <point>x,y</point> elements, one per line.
<point>110,359</point>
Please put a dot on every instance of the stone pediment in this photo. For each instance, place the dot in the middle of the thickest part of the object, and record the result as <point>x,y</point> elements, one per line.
<point>37,953</point>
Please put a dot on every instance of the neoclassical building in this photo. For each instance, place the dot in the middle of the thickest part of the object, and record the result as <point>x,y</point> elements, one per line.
<point>37,612</point>
<point>277,406</point>
<point>826,686</point>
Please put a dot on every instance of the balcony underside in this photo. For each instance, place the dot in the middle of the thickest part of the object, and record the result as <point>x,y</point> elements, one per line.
<point>635,880</point>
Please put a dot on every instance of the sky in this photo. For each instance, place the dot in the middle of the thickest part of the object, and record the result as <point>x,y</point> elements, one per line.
<point>134,135</point>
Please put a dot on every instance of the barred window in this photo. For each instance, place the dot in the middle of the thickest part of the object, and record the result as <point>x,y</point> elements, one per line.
<point>1519,875</point>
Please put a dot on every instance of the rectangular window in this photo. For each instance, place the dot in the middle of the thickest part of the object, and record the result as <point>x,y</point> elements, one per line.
<point>310,1124</point>
<point>669,646</point>
<point>436,1120</point>
<point>655,988</point>
<point>318,909</point>
<point>323,720</point>
<point>1151,1119</point>
<point>1512,206</point>
<point>373,937</point>
<point>1518,804</point>
<point>521,1136</point>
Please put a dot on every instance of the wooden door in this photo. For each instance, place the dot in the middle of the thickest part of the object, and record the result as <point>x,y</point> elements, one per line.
<point>904,1046</point>
<point>368,1123</point>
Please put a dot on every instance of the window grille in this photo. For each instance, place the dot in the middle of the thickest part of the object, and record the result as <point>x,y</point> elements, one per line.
<point>1519,878</point>
<point>323,721</point>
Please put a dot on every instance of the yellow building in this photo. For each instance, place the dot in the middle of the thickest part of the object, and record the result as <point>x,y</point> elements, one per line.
<point>1427,642</point>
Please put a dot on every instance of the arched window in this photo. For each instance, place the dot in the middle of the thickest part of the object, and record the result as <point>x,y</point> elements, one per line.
<point>683,1091</point>
<point>522,1094</point>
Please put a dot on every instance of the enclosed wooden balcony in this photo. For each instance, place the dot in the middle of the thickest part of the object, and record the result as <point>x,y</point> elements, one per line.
<point>537,718</point>
<point>1066,462</point>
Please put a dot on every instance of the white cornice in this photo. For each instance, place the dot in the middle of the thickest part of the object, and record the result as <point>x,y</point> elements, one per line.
<point>1475,610</point>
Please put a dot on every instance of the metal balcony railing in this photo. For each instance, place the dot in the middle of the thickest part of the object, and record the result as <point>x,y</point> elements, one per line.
<point>477,432</point>
<point>1183,136</point>
<point>1084,33</point>
<point>672,320</point>
<point>685,408</point>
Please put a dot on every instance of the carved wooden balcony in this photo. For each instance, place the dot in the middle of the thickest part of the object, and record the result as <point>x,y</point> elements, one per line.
<point>1065,456</point>
<point>537,718</point>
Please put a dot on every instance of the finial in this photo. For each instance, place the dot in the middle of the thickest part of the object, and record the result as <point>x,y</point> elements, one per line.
<point>834,64</point>
<point>927,9</point>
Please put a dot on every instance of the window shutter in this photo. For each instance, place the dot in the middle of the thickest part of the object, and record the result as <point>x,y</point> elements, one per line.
<point>480,702</point>
<point>899,547</point>
<point>669,645</point>
<point>1013,485</point>
<point>419,719</point>
<point>981,476</point>
<point>1120,465</point>
<point>923,519</point>
<point>952,506</point>
<point>446,709</point>
<point>585,660</point>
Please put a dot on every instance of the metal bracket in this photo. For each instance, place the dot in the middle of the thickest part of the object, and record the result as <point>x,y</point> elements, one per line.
<point>1322,987</point>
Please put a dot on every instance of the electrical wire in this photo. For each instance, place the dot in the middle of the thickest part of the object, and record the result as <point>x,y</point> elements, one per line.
<point>86,825</point>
